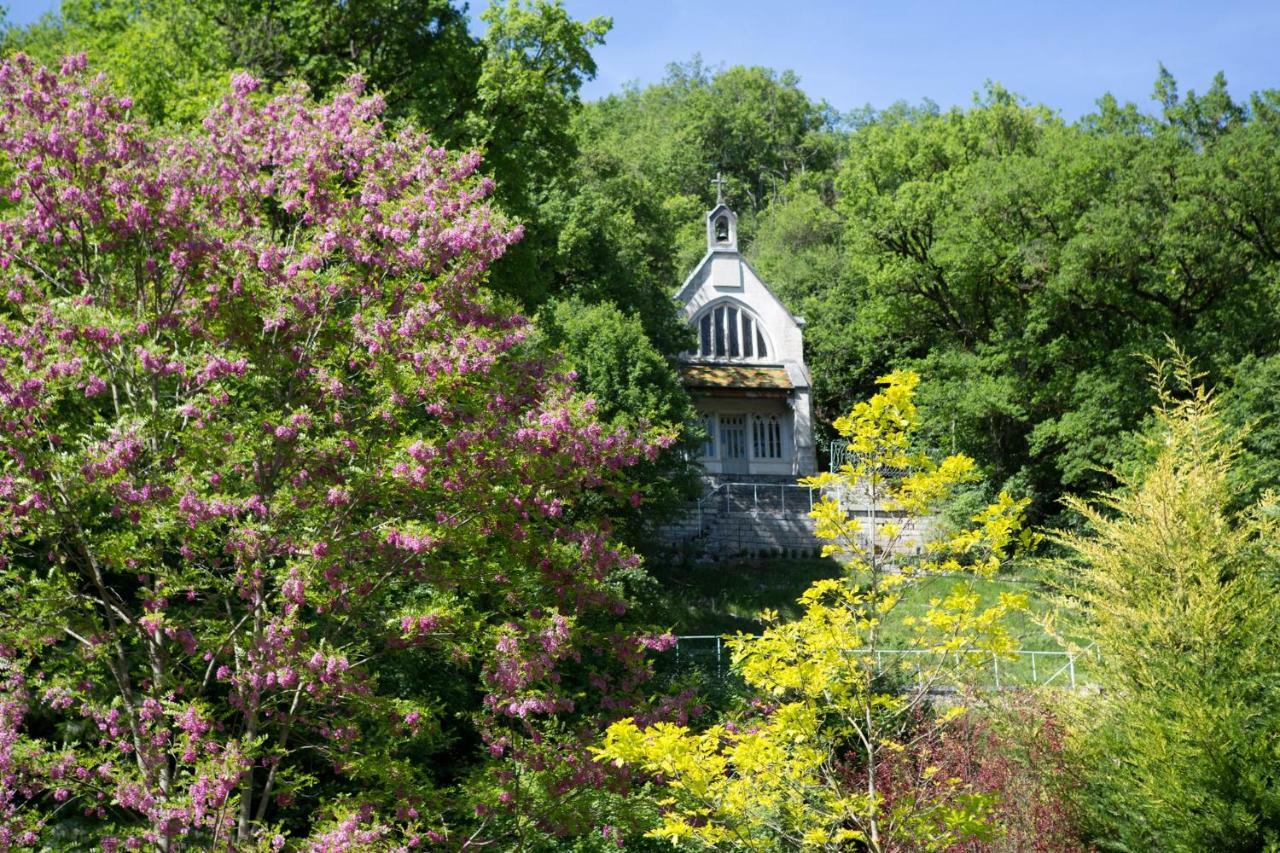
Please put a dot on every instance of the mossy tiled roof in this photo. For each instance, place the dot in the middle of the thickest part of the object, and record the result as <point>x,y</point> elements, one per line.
<point>736,376</point>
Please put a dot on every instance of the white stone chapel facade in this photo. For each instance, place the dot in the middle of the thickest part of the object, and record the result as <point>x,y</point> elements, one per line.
<point>747,375</point>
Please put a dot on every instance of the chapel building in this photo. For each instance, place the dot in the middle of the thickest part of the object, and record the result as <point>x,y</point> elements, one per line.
<point>747,375</point>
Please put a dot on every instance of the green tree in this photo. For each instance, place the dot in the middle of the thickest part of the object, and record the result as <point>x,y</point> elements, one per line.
<point>634,386</point>
<point>614,245</point>
<point>753,124</point>
<point>798,248</point>
<point>418,53</point>
<point>167,56</point>
<point>1250,407</point>
<point>1018,262</point>
<point>535,59</point>
<point>1174,578</point>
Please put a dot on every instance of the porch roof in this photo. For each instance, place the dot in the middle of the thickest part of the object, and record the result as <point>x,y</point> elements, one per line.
<point>736,377</point>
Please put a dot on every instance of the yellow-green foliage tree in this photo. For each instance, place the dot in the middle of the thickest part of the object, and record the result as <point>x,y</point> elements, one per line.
<point>1177,586</point>
<point>815,762</point>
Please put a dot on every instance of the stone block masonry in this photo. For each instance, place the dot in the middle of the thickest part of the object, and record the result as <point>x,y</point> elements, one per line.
<point>762,519</point>
<point>764,533</point>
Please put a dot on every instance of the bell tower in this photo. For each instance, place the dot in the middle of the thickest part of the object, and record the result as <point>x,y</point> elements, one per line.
<point>722,223</point>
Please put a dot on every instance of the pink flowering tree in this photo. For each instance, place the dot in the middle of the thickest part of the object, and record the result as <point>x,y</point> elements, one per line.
<point>293,529</point>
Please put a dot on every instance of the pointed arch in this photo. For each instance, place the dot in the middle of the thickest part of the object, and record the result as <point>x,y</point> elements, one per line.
<point>729,330</point>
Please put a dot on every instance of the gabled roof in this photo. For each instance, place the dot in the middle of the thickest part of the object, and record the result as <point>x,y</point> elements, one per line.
<point>685,291</point>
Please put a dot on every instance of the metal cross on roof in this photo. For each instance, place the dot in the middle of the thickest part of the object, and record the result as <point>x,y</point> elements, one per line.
<point>719,182</point>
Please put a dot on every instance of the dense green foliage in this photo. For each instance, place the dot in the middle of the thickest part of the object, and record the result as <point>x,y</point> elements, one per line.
<point>751,124</point>
<point>1178,587</point>
<point>1021,263</point>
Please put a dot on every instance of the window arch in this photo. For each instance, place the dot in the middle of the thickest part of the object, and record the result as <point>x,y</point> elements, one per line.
<point>726,330</point>
<point>766,435</point>
<point>709,425</point>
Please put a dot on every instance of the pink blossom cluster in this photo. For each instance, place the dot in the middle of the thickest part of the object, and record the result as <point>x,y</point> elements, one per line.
<point>356,832</point>
<point>253,398</point>
<point>19,827</point>
<point>420,627</point>
<point>522,679</point>
<point>112,456</point>
<point>218,366</point>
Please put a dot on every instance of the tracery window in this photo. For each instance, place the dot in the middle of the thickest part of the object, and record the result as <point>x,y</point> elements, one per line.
<point>766,437</point>
<point>729,332</point>
<point>709,443</point>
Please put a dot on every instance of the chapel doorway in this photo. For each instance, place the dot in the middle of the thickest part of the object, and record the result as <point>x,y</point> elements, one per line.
<point>733,444</point>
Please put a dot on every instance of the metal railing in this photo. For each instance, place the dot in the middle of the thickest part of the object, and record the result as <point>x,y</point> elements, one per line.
<point>838,454</point>
<point>719,650</point>
<point>1021,668</point>
<point>747,497</point>
<point>742,497</point>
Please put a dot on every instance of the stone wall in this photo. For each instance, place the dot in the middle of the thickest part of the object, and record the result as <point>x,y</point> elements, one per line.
<point>763,533</point>
<point>767,518</point>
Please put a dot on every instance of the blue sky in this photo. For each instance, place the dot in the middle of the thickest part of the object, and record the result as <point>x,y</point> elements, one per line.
<point>855,53</point>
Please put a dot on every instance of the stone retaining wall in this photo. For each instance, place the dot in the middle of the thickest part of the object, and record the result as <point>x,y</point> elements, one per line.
<point>763,533</point>
<point>771,521</point>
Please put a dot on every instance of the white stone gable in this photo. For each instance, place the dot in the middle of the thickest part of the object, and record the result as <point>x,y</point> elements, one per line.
<point>723,276</point>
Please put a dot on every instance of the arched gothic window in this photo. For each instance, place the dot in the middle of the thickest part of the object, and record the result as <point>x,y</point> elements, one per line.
<point>709,443</point>
<point>766,437</point>
<point>726,331</point>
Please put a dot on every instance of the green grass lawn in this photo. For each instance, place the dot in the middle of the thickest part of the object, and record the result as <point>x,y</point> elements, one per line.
<point>1029,633</point>
<point>725,599</point>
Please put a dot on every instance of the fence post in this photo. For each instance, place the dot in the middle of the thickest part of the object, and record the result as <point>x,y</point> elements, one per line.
<point>1071,661</point>
<point>811,499</point>
<point>755,496</point>
<point>995,666</point>
<point>1034,679</point>
<point>718,657</point>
